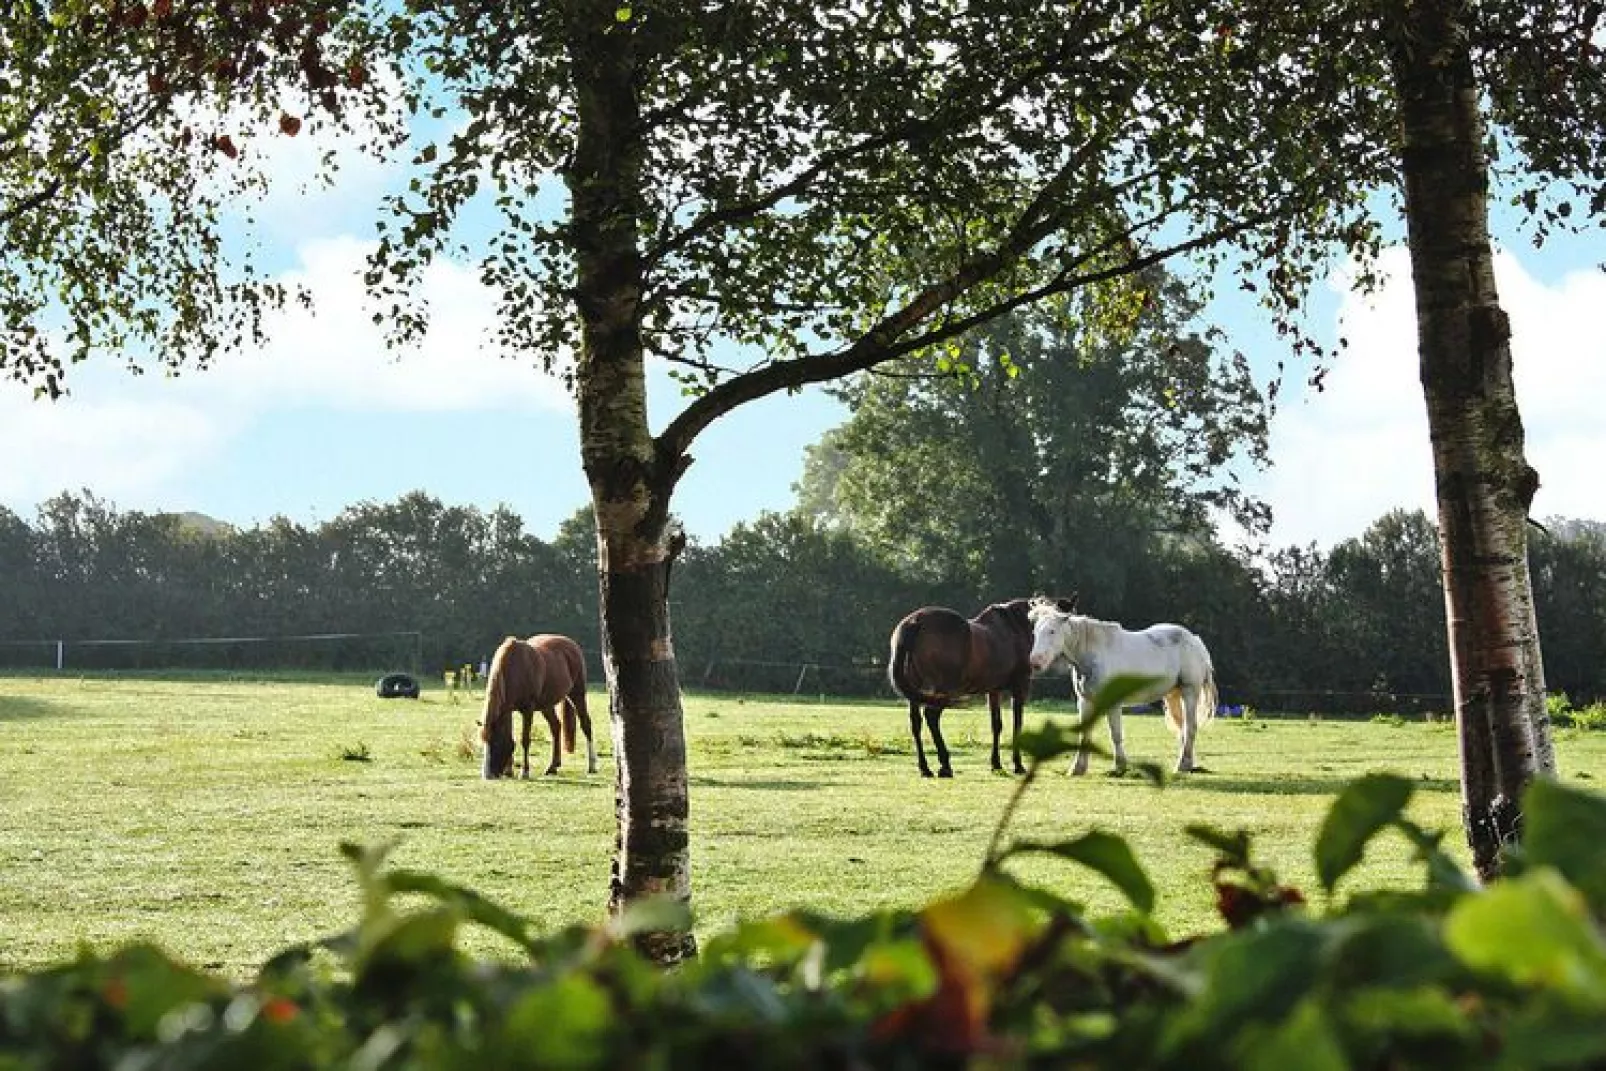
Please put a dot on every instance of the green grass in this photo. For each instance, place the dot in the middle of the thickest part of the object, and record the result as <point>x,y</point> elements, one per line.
<point>204,814</point>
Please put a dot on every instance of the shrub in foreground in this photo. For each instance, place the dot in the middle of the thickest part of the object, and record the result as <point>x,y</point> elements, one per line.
<point>1444,974</point>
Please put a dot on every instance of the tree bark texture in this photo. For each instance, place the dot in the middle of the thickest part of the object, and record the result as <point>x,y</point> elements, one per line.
<point>630,482</point>
<point>1484,483</point>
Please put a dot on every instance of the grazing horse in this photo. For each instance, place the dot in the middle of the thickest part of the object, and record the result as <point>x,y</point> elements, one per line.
<point>938,657</point>
<point>1097,650</point>
<point>530,675</point>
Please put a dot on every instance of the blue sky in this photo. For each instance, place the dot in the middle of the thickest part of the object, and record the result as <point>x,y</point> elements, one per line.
<point>326,417</point>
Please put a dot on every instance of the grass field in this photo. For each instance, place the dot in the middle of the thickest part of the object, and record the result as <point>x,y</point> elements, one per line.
<point>204,814</point>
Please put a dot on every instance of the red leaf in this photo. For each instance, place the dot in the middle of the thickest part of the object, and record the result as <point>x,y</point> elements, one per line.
<point>290,125</point>
<point>225,145</point>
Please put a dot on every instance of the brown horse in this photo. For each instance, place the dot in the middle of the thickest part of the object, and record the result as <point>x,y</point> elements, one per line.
<point>530,675</point>
<point>938,658</point>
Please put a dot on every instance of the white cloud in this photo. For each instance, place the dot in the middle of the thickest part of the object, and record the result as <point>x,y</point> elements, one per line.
<point>121,450</point>
<point>1345,456</point>
<point>142,440</point>
<point>335,355</point>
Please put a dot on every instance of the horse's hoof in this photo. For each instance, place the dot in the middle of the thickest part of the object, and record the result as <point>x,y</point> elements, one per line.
<point>525,776</point>
<point>552,771</point>
<point>924,772</point>
<point>945,772</point>
<point>1076,771</point>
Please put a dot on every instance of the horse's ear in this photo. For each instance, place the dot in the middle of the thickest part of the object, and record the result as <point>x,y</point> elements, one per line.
<point>1066,605</point>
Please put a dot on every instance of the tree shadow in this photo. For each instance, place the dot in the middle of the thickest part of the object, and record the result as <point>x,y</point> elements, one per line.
<point>1295,786</point>
<point>769,785</point>
<point>22,708</point>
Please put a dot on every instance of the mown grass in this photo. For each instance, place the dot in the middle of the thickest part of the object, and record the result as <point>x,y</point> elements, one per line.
<point>204,814</point>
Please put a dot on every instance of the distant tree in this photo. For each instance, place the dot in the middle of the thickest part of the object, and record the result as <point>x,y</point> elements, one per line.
<point>1387,581</point>
<point>1569,574</point>
<point>1045,460</point>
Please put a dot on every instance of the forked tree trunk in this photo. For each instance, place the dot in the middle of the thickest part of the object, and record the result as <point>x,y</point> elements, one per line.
<point>630,483</point>
<point>1483,480</point>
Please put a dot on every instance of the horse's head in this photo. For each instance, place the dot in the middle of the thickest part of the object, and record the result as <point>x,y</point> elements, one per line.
<point>498,736</point>
<point>1054,631</point>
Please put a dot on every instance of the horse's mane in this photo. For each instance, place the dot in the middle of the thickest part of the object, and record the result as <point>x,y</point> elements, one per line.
<point>1083,628</point>
<point>497,682</point>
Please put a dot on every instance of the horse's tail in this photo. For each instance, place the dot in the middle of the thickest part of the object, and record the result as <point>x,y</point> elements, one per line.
<point>574,704</point>
<point>571,719</point>
<point>1174,711</point>
<point>1211,698</point>
<point>903,642</point>
<point>495,688</point>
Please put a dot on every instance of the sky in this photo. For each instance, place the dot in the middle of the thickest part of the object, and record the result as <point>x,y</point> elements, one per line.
<point>325,416</point>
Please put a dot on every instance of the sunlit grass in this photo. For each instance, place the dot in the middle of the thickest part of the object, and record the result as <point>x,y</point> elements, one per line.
<point>204,814</point>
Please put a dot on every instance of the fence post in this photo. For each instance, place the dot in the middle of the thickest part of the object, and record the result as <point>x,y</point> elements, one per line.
<point>60,655</point>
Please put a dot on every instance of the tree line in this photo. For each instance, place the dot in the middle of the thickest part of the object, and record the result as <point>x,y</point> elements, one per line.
<point>788,601</point>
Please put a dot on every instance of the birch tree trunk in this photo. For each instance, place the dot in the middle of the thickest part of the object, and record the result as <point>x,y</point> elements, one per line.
<point>630,482</point>
<point>1484,483</point>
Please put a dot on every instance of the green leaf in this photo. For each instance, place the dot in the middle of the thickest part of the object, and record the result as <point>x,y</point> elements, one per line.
<point>779,939</point>
<point>1250,974</point>
<point>901,966</point>
<point>1444,873</point>
<point>1105,853</point>
<point>1119,690</point>
<point>622,13</point>
<point>469,904</point>
<point>1565,827</point>
<point>654,914</point>
<point>1545,1035</point>
<point>1364,807</point>
<point>1233,847</point>
<point>1391,1011</point>
<point>1050,740</point>
<point>1305,1040</point>
<point>565,1024</point>
<point>1535,930</point>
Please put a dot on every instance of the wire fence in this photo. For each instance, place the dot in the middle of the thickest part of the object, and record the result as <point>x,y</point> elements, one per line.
<point>403,650</point>
<point>332,651</point>
<point>869,680</point>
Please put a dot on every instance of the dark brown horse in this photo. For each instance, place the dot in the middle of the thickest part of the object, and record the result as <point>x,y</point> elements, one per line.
<point>938,658</point>
<point>530,675</point>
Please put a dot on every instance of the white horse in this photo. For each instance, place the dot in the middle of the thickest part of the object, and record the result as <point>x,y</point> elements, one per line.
<point>1098,650</point>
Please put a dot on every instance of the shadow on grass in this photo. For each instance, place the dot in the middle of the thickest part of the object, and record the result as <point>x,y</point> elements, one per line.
<point>771,786</point>
<point>21,708</point>
<point>1295,786</point>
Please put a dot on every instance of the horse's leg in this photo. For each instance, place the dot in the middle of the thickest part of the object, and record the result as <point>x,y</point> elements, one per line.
<point>998,728</point>
<point>1079,767</point>
<point>552,724</point>
<point>1018,709</point>
<point>1190,724</point>
<point>914,728</point>
<point>528,716</point>
<point>1117,738</point>
<point>934,723</point>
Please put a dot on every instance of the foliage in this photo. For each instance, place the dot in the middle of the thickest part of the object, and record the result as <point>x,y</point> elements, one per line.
<point>126,157</point>
<point>1564,715</point>
<point>1357,630</point>
<point>1036,430</point>
<point>1000,973</point>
